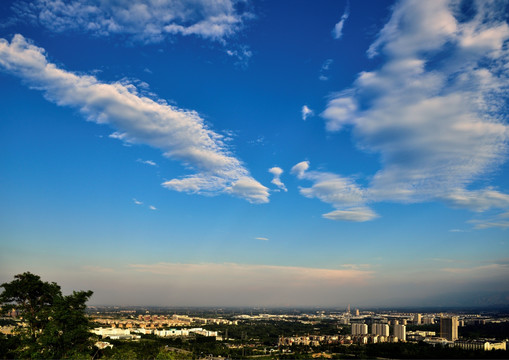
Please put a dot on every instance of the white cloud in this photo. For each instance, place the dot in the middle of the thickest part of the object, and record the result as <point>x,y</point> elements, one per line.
<point>147,162</point>
<point>300,168</point>
<point>347,197</point>
<point>277,171</point>
<point>306,112</point>
<point>152,207</point>
<point>358,214</point>
<point>434,110</point>
<point>498,221</point>
<point>478,200</point>
<point>262,238</point>
<point>242,53</point>
<point>137,202</point>
<point>118,136</point>
<point>138,20</point>
<point>323,70</point>
<point>250,189</point>
<point>337,32</point>
<point>181,134</point>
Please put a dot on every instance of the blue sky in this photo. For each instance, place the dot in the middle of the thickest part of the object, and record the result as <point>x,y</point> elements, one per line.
<point>255,152</point>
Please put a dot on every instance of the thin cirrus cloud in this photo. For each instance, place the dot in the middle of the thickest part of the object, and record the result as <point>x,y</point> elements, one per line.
<point>498,221</point>
<point>141,21</point>
<point>434,110</point>
<point>277,172</point>
<point>228,284</point>
<point>147,162</point>
<point>324,69</point>
<point>180,134</point>
<point>337,32</point>
<point>246,272</point>
<point>276,285</point>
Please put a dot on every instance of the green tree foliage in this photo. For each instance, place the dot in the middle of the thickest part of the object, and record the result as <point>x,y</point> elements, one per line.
<point>55,326</point>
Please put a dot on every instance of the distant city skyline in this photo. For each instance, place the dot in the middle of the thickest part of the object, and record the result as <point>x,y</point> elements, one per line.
<point>251,153</point>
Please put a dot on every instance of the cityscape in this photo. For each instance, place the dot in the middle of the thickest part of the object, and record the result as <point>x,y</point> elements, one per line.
<point>298,333</point>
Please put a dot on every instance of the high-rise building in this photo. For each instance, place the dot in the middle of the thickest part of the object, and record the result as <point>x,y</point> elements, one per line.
<point>359,329</point>
<point>380,329</point>
<point>449,328</point>
<point>417,319</point>
<point>428,320</point>
<point>400,332</point>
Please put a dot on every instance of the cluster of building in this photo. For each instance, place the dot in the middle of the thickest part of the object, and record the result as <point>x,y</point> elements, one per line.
<point>131,334</point>
<point>448,334</point>
<point>380,332</point>
<point>157,321</point>
<point>319,340</point>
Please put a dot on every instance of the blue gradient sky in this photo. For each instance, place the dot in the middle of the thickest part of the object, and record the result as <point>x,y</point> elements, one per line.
<point>257,153</point>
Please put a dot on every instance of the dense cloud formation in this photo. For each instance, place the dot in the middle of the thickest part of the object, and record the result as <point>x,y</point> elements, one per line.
<point>434,110</point>
<point>181,134</point>
<point>139,20</point>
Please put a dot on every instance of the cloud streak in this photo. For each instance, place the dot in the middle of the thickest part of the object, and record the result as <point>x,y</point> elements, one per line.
<point>337,32</point>
<point>233,284</point>
<point>180,134</point>
<point>434,110</point>
<point>140,21</point>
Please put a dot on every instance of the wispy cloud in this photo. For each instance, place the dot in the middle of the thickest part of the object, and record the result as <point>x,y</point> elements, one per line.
<point>434,110</point>
<point>277,172</point>
<point>495,221</point>
<point>341,192</point>
<point>147,162</point>
<point>337,32</point>
<point>306,112</point>
<point>254,273</point>
<point>262,238</point>
<point>152,207</point>
<point>137,202</point>
<point>458,230</point>
<point>180,133</point>
<point>324,69</point>
<point>479,271</point>
<point>138,20</point>
<point>98,269</point>
<point>242,54</point>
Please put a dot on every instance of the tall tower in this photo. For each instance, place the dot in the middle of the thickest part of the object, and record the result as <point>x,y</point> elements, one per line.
<point>417,319</point>
<point>449,328</point>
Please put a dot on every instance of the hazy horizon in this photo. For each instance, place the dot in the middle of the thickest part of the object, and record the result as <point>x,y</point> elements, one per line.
<point>254,153</point>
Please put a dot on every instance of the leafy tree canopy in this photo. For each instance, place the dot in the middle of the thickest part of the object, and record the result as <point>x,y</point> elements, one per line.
<point>55,326</point>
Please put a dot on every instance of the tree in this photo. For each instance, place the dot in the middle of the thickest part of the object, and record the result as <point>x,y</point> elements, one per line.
<point>55,325</point>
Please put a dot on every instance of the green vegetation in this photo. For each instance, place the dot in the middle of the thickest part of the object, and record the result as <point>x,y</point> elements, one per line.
<point>498,331</point>
<point>54,325</point>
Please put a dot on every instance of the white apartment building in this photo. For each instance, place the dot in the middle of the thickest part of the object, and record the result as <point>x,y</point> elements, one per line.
<point>359,329</point>
<point>400,332</point>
